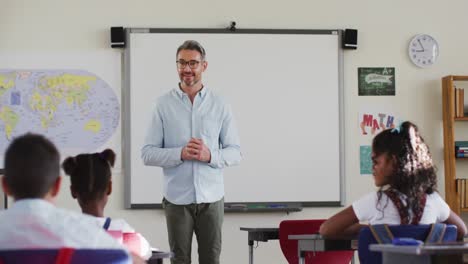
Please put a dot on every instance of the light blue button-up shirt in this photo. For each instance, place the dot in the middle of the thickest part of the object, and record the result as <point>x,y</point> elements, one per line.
<point>174,121</point>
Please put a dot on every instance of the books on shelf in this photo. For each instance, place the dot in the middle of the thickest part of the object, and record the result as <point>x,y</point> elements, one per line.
<point>462,192</point>
<point>461,144</point>
<point>459,102</point>
<point>461,149</point>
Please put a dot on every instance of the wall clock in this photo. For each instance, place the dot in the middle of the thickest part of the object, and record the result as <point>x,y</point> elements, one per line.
<point>423,50</point>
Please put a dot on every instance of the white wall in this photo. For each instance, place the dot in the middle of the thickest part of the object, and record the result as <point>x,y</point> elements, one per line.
<point>385,28</point>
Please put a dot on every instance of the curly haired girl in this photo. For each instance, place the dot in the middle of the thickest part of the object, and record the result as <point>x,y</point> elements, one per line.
<point>405,174</point>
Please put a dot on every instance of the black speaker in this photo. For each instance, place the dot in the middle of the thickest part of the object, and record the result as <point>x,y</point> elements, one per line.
<point>117,37</point>
<point>350,38</point>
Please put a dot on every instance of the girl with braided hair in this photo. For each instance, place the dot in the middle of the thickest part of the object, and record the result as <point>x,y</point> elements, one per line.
<point>91,185</point>
<point>405,174</point>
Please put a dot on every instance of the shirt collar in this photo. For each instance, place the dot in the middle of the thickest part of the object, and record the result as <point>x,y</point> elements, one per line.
<point>31,203</point>
<point>202,93</point>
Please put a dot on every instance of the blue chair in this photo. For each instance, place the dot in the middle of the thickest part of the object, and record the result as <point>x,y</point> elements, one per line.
<point>64,256</point>
<point>419,232</point>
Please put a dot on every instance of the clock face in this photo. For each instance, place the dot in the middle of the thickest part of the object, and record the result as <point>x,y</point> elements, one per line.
<point>423,50</point>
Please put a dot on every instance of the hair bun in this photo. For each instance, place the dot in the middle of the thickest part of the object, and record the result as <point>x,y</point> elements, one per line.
<point>108,155</point>
<point>69,165</point>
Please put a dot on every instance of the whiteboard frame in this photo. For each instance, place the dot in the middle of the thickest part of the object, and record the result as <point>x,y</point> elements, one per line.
<point>126,107</point>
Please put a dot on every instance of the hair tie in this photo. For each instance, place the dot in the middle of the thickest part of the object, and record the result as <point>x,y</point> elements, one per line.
<point>396,130</point>
<point>102,156</point>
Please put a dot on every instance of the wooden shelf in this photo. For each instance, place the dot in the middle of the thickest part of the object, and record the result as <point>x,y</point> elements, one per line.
<point>448,113</point>
<point>459,77</point>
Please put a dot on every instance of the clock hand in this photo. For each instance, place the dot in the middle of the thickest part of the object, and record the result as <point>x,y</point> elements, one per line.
<point>421,45</point>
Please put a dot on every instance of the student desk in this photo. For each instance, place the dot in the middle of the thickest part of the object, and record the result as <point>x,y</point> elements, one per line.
<point>433,253</point>
<point>259,234</point>
<point>310,242</point>
<point>316,243</point>
<point>158,256</point>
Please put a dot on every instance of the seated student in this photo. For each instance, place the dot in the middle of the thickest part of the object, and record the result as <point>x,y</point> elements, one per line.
<point>91,185</point>
<point>405,174</point>
<point>32,167</point>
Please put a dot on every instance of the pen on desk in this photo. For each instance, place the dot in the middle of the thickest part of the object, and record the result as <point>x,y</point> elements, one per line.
<point>276,206</point>
<point>256,206</point>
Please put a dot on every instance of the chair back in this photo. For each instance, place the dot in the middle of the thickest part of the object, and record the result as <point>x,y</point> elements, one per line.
<point>133,243</point>
<point>300,227</point>
<point>64,256</point>
<point>419,232</point>
<point>131,240</point>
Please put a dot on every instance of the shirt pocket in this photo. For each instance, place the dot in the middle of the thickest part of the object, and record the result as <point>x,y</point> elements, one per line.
<point>210,130</point>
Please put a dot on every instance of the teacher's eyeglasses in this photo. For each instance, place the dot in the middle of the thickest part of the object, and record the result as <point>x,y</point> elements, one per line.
<point>193,64</point>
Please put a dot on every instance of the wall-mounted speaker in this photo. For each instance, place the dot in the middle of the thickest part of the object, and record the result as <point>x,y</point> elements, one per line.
<point>117,35</point>
<point>350,38</point>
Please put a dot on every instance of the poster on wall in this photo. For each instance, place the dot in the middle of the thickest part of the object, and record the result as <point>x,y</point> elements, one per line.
<point>373,122</point>
<point>376,81</point>
<point>70,98</point>
<point>365,160</point>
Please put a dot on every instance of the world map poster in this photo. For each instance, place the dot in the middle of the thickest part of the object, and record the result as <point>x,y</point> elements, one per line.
<point>74,108</point>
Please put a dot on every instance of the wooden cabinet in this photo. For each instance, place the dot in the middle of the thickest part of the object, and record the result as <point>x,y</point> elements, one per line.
<point>448,110</point>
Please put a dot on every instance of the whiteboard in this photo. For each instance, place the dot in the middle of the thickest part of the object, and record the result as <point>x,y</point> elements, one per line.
<point>285,88</point>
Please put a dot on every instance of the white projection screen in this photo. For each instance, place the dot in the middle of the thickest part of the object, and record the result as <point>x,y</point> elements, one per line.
<point>285,88</point>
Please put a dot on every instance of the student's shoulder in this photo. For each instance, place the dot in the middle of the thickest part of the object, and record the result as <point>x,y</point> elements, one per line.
<point>121,224</point>
<point>371,199</point>
<point>370,196</point>
<point>435,197</point>
<point>82,231</point>
<point>78,217</point>
<point>4,214</point>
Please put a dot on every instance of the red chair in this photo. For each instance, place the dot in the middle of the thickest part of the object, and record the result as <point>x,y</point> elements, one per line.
<point>301,227</point>
<point>131,240</point>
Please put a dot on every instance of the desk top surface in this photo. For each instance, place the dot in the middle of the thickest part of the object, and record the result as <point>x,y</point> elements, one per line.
<point>260,229</point>
<point>306,237</point>
<point>443,248</point>
<point>161,255</point>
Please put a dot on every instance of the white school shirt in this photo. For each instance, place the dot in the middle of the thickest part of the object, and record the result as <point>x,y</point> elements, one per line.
<point>385,212</point>
<point>36,223</point>
<point>122,226</point>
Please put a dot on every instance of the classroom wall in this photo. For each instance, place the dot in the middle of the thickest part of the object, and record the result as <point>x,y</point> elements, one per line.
<point>385,29</point>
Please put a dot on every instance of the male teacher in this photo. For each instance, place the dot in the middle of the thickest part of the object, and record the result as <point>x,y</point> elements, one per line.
<point>192,136</point>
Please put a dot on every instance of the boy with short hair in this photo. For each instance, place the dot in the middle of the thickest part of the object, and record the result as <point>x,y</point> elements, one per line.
<point>32,168</point>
